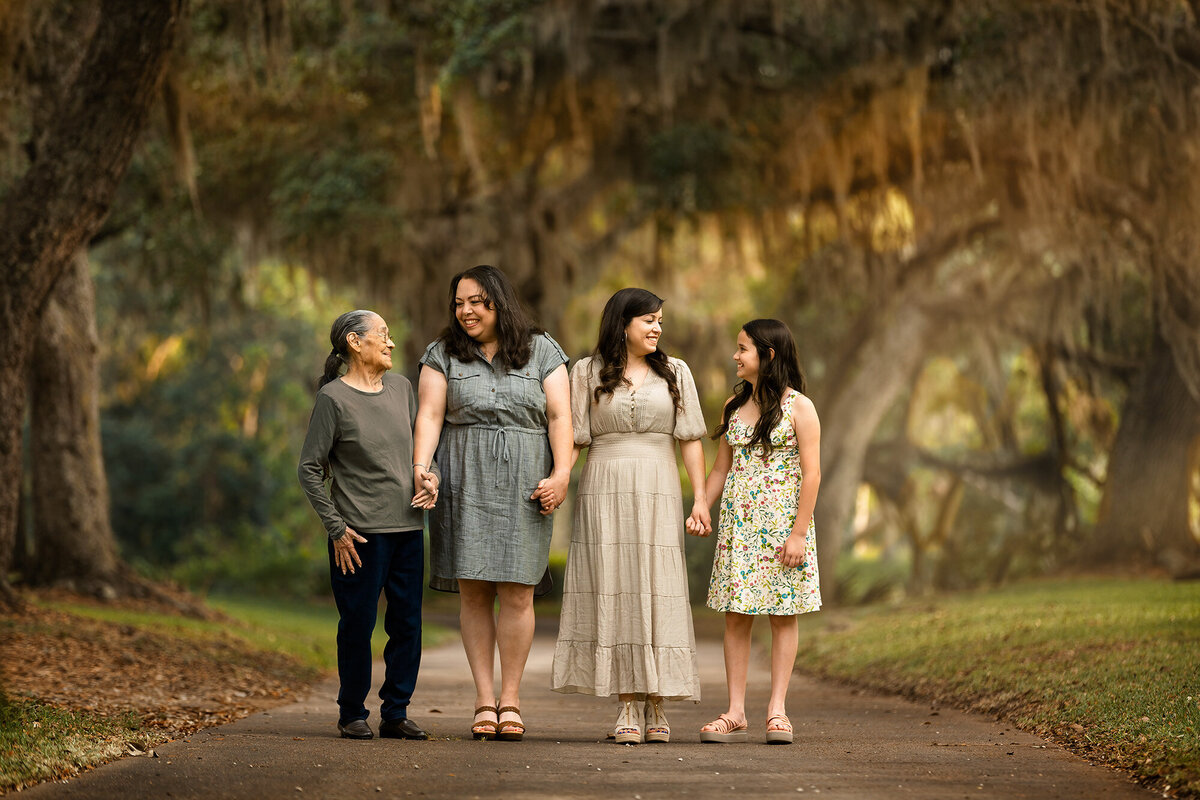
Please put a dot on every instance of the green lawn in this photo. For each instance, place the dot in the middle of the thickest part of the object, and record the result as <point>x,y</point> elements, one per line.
<point>39,741</point>
<point>304,629</point>
<point>1110,668</point>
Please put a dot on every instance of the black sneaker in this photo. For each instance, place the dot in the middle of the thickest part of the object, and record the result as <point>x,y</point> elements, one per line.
<point>401,729</point>
<point>355,729</point>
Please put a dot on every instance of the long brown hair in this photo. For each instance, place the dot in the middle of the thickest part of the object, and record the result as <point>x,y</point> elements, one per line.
<point>775,375</point>
<point>514,327</point>
<point>610,346</point>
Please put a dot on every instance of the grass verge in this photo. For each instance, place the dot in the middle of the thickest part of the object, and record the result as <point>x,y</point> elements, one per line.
<point>1109,668</point>
<point>306,630</point>
<point>87,683</point>
<point>40,742</point>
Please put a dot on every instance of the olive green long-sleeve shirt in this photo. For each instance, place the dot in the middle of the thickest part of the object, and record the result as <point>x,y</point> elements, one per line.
<point>366,441</point>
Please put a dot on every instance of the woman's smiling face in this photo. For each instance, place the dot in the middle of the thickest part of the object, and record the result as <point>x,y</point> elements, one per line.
<point>473,311</point>
<point>643,332</point>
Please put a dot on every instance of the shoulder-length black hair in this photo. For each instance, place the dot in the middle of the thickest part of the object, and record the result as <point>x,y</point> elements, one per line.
<point>610,347</point>
<point>514,327</point>
<point>775,374</point>
<point>358,321</point>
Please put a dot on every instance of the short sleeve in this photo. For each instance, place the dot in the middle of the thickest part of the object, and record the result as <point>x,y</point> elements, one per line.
<point>581,401</point>
<point>547,355</point>
<point>689,420</point>
<point>435,356</point>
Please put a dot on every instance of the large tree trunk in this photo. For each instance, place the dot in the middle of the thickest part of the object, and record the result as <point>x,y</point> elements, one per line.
<point>73,537</point>
<point>883,367</point>
<point>60,202</point>
<point>1144,512</point>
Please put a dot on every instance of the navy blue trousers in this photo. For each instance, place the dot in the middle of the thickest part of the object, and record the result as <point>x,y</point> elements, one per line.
<point>392,563</point>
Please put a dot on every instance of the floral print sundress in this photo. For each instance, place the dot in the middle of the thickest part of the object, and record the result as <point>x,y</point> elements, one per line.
<point>758,509</point>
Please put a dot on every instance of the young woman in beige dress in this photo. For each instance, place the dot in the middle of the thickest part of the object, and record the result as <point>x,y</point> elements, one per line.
<point>626,626</point>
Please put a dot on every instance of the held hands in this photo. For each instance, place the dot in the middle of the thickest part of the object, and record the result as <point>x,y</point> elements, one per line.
<point>700,521</point>
<point>344,554</point>
<point>794,551</point>
<point>426,485</point>
<point>551,492</point>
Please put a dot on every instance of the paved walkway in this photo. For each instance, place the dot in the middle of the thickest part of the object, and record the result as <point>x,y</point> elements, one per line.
<point>848,745</point>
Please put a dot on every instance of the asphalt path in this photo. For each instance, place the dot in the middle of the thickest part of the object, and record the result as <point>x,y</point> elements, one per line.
<point>849,744</point>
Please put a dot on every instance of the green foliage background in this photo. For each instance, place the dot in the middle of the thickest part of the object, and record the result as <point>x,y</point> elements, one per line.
<point>291,199</point>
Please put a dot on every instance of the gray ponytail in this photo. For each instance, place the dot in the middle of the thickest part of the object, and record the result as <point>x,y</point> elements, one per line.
<point>358,321</point>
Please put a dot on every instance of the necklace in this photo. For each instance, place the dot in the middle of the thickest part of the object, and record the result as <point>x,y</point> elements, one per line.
<point>629,375</point>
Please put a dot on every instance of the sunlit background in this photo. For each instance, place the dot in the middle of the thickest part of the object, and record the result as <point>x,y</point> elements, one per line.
<point>978,217</point>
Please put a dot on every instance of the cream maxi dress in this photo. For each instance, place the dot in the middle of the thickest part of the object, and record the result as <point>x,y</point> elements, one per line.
<point>626,623</point>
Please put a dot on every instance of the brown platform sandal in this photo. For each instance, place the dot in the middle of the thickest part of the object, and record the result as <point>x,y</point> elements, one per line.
<point>484,728</point>
<point>510,731</point>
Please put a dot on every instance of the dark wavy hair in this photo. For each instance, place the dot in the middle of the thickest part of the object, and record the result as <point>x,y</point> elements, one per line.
<point>514,327</point>
<point>357,321</point>
<point>775,374</point>
<point>610,346</point>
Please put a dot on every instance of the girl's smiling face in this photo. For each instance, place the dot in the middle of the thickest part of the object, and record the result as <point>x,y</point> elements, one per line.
<point>746,358</point>
<point>642,333</point>
<point>473,311</point>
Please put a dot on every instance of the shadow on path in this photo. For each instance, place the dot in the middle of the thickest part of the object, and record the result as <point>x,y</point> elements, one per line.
<point>848,745</point>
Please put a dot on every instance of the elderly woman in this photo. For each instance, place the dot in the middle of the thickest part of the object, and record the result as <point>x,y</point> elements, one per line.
<point>626,626</point>
<point>360,435</point>
<point>495,402</point>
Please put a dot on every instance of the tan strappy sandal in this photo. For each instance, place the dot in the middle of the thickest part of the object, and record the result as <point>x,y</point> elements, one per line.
<point>724,731</point>
<point>779,732</point>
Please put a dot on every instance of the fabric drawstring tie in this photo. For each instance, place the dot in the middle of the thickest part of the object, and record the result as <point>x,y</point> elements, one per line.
<point>500,451</point>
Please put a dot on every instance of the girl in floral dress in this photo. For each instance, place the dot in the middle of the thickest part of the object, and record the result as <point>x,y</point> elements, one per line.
<point>767,472</point>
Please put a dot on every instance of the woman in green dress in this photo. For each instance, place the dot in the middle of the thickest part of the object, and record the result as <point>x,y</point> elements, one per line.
<point>494,400</point>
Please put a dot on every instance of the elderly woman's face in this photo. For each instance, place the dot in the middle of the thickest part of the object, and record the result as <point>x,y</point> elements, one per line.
<point>374,346</point>
<point>472,311</point>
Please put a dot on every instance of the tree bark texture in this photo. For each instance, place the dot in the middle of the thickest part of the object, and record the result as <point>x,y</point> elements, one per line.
<point>883,366</point>
<point>1144,512</point>
<point>61,200</point>
<point>73,537</point>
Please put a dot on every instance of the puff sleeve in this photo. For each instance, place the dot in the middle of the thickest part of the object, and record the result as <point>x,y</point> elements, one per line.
<point>689,420</point>
<point>581,401</point>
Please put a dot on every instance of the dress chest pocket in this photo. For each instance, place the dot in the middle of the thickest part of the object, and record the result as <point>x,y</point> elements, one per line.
<point>524,389</point>
<point>466,386</point>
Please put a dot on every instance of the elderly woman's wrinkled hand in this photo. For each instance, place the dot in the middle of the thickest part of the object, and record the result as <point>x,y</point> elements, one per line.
<point>344,554</point>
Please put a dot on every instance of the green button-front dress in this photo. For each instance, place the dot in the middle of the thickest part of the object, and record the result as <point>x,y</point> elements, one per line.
<point>493,451</point>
